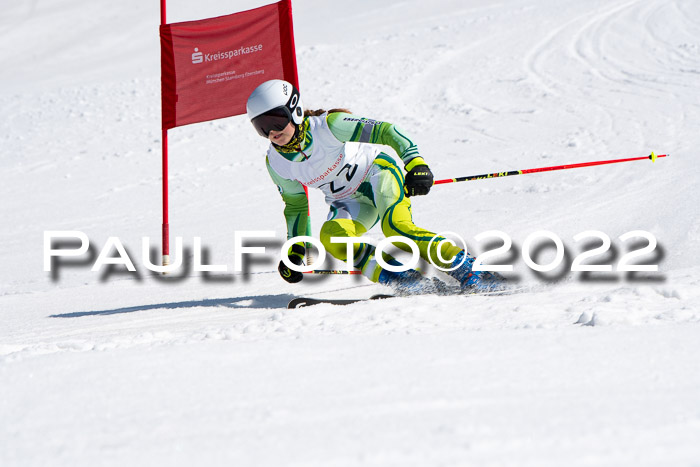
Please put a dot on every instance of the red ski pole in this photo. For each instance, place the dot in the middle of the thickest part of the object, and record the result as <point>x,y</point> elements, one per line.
<point>652,157</point>
<point>332,272</point>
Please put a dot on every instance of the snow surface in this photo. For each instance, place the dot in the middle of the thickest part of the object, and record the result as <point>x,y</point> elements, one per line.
<point>115,368</point>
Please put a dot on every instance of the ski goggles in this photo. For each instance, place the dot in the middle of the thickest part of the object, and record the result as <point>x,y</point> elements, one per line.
<point>276,119</point>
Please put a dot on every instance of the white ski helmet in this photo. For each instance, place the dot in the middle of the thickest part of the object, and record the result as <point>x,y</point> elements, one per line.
<point>273,104</point>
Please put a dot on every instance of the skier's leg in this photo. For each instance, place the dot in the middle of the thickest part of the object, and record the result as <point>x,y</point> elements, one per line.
<point>352,218</point>
<point>395,211</point>
<point>362,252</point>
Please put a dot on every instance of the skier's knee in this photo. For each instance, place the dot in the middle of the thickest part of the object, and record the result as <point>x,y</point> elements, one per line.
<point>339,228</point>
<point>392,227</point>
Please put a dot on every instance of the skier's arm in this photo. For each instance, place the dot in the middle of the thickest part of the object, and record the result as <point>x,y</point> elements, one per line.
<point>296,204</point>
<point>347,127</point>
<point>296,213</point>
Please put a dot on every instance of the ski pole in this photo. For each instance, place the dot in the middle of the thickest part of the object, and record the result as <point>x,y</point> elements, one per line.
<point>652,157</point>
<point>332,271</point>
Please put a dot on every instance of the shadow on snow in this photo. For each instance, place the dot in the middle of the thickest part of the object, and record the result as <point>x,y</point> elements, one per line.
<point>254,301</point>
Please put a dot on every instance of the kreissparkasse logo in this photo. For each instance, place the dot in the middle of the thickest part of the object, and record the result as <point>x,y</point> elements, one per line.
<point>197,56</point>
<point>201,57</point>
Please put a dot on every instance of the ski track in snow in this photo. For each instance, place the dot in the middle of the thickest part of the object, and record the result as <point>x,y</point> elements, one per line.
<point>135,369</point>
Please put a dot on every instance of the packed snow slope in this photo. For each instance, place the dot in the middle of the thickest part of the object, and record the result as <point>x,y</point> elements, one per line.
<point>119,368</point>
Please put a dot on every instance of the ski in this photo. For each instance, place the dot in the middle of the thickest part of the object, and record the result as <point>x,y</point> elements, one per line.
<point>300,302</point>
<point>307,301</point>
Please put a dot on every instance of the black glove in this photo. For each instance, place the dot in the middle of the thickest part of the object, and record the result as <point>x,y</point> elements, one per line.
<point>418,181</point>
<point>296,256</point>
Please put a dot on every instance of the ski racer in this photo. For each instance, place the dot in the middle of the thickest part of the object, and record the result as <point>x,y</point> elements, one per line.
<point>339,153</point>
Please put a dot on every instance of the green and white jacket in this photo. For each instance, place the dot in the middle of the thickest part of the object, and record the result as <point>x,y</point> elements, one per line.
<point>334,154</point>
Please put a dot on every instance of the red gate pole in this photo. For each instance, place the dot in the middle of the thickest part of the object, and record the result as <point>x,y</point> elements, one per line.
<point>166,225</point>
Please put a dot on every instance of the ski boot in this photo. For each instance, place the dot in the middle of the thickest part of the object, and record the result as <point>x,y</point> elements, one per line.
<point>474,281</point>
<point>409,282</point>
